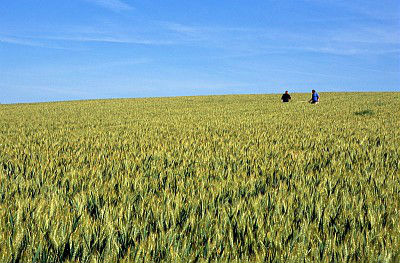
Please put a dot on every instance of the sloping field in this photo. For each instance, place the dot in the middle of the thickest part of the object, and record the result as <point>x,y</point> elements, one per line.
<point>241,178</point>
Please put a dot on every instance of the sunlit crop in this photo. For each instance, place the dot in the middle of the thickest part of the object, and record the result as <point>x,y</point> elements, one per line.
<point>241,178</point>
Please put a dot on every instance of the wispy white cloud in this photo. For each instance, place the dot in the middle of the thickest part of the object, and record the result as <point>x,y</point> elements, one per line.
<point>111,39</point>
<point>346,41</point>
<point>230,42</point>
<point>383,10</point>
<point>17,41</point>
<point>182,28</point>
<point>346,51</point>
<point>29,42</point>
<point>114,5</point>
<point>366,35</point>
<point>378,10</point>
<point>53,42</point>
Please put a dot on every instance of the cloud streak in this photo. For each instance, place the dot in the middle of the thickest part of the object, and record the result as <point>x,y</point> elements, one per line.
<point>112,39</point>
<point>348,41</point>
<point>17,41</point>
<point>114,5</point>
<point>29,42</point>
<point>229,41</point>
<point>52,42</point>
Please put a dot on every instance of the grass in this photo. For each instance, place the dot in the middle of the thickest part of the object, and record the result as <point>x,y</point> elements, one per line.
<point>240,178</point>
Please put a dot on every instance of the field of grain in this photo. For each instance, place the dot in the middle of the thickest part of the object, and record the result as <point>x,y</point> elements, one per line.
<point>238,178</point>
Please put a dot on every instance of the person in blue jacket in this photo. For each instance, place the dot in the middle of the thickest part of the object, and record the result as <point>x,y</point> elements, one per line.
<point>314,98</point>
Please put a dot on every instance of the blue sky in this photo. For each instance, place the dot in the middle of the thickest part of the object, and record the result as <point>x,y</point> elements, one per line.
<point>88,49</point>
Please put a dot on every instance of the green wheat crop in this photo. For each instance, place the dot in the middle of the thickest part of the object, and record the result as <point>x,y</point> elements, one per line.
<point>202,179</point>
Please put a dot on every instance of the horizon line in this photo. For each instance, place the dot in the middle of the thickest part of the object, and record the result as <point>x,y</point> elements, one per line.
<point>184,96</point>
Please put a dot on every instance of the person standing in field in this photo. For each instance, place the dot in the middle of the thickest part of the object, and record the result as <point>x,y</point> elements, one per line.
<point>286,97</point>
<point>314,97</point>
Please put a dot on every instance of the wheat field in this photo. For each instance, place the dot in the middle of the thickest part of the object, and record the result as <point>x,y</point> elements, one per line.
<point>234,178</point>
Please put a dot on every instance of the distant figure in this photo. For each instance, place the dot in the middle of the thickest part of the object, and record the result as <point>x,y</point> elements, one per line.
<point>286,97</point>
<point>314,98</point>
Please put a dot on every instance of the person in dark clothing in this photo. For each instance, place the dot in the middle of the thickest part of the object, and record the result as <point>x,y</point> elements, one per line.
<point>314,98</point>
<point>286,97</point>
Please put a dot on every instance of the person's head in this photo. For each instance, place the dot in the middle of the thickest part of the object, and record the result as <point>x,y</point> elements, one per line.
<point>286,92</point>
<point>313,91</point>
